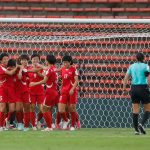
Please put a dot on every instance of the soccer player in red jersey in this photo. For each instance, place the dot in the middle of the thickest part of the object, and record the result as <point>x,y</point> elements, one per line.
<point>51,94</point>
<point>69,92</point>
<point>22,94</point>
<point>6,92</point>
<point>36,92</point>
<point>10,84</point>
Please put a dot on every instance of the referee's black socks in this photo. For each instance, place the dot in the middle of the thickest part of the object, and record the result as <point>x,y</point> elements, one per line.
<point>145,117</point>
<point>135,121</point>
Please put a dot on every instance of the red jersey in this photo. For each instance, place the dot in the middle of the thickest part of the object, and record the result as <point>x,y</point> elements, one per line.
<point>34,77</point>
<point>10,79</point>
<point>23,84</point>
<point>52,78</point>
<point>2,75</point>
<point>68,78</point>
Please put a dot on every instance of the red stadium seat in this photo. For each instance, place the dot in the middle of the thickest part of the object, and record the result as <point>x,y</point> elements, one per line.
<point>7,8</point>
<point>74,1</point>
<point>128,1</point>
<point>131,9</point>
<point>101,1</point>
<point>118,9</point>
<point>104,9</point>
<point>91,9</point>
<point>87,1</point>
<point>36,8</point>
<point>142,1</point>
<point>23,8</point>
<point>144,9</point>
<point>114,1</point>
<point>63,9</point>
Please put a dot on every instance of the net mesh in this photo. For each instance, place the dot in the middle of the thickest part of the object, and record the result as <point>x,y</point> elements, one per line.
<point>101,51</point>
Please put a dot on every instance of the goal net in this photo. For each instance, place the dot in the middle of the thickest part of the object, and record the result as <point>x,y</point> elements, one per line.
<point>102,50</point>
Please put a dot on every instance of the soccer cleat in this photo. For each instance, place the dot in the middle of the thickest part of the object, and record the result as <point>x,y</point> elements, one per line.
<point>142,130</point>
<point>72,129</point>
<point>47,129</point>
<point>5,129</point>
<point>39,125</point>
<point>78,124</point>
<point>1,129</point>
<point>20,127</point>
<point>65,124</point>
<point>58,126</point>
<point>26,129</point>
<point>137,133</point>
<point>53,126</point>
<point>34,128</point>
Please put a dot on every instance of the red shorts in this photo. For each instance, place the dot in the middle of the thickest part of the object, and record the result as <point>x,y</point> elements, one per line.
<point>67,99</point>
<point>23,97</point>
<point>7,95</point>
<point>37,99</point>
<point>51,98</point>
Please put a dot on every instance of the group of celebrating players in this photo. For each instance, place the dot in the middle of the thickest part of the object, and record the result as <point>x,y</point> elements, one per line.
<point>24,86</point>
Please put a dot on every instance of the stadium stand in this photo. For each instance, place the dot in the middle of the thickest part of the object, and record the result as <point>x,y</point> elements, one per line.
<point>75,8</point>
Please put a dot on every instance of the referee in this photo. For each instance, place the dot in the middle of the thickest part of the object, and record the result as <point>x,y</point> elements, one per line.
<point>139,91</point>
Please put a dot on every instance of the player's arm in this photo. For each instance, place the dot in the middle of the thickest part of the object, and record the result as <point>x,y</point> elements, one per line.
<point>74,85</point>
<point>40,82</point>
<point>125,81</point>
<point>35,70</point>
<point>10,72</point>
<point>40,74</point>
<point>20,73</point>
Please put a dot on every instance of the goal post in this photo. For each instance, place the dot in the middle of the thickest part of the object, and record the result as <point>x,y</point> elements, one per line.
<point>102,50</point>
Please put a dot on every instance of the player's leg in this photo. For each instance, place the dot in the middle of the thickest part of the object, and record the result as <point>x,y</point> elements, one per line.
<point>33,99</point>
<point>26,109</point>
<point>10,113</point>
<point>19,115</point>
<point>136,110</point>
<point>40,100</point>
<point>2,115</point>
<point>145,99</point>
<point>46,110</point>
<point>62,111</point>
<point>73,111</point>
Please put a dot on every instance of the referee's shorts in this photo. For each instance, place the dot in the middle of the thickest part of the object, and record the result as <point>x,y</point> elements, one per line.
<point>140,94</point>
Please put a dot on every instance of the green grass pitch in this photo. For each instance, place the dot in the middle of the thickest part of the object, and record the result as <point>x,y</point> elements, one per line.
<point>84,139</point>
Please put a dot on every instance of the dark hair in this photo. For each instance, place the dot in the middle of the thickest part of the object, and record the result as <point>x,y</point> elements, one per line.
<point>51,59</point>
<point>11,63</point>
<point>24,56</point>
<point>149,62</point>
<point>140,57</point>
<point>68,58</point>
<point>35,55</point>
<point>3,55</point>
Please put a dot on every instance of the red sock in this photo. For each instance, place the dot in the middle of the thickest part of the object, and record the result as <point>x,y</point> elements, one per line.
<point>26,119</point>
<point>73,118</point>
<point>63,115</point>
<point>48,119</point>
<point>32,118</point>
<point>58,118</point>
<point>40,115</point>
<point>77,117</point>
<point>2,120</point>
<point>68,115</point>
<point>9,115</point>
<point>19,116</point>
